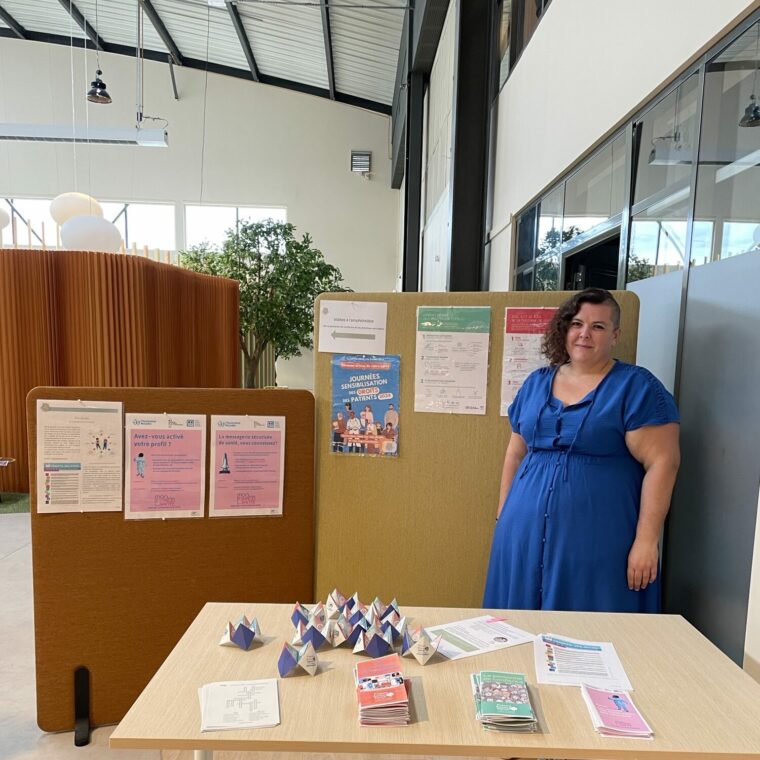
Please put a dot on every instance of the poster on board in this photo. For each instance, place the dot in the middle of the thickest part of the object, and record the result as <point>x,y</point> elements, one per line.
<point>165,466</point>
<point>365,405</point>
<point>247,466</point>
<point>524,329</point>
<point>451,369</point>
<point>79,456</point>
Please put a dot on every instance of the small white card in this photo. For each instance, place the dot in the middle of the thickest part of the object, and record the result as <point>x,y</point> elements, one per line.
<point>352,327</point>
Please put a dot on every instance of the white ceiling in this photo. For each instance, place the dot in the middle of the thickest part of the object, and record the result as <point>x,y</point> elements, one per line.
<point>286,38</point>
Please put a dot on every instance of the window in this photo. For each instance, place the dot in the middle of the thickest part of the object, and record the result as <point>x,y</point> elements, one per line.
<point>728,173</point>
<point>525,17</point>
<point>209,224</point>
<point>546,271</point>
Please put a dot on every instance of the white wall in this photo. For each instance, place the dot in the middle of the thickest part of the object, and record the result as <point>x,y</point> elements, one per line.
<point>231,142</point>
<point>582,72</point>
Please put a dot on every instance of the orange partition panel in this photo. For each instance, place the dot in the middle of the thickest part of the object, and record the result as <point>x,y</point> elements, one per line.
<point>106,320</point>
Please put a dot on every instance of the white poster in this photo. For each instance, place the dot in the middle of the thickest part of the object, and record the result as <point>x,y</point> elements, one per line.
<point>451,368</point>
<point>524,329</point>
<point>79,456</point>
<point>352,327</point>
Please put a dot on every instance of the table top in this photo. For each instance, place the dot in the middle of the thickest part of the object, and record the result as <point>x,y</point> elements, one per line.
<point>697,701</point>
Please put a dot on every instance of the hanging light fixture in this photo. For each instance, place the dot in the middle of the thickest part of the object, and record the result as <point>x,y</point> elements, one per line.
<point>98,92</point>
<point>751,116</point>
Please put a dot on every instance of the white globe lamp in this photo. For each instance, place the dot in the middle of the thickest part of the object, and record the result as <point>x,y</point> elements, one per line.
<point>90,233</point>
<point>68,205</point>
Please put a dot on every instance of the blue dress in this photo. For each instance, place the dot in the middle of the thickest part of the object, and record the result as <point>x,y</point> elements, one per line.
<point>569,520</point>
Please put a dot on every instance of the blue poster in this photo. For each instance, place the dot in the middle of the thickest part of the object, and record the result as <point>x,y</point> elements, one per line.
<point>365,405</point>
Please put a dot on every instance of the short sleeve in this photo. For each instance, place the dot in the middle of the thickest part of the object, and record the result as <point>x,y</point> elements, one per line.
<point>515,410</point>
<point>648,402</point>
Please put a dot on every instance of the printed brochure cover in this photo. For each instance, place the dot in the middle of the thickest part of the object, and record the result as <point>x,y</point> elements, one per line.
<point>380,682</point>
<point>504,694</point>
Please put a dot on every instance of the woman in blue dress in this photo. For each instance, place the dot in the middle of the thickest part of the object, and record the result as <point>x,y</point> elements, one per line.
<point>588,474</point>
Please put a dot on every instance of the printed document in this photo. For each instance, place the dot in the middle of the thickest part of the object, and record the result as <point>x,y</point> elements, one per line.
<point>165,465</point>
<point>572,662</point>
<point>247,465</point>
<point>79,456</point>
<point>467,638</point>
<point>239,704</point>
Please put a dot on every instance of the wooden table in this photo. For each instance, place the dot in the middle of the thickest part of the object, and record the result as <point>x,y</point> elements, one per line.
<point>698,702</point>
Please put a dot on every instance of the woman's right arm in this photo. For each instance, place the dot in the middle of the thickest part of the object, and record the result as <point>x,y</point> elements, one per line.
<point>516,451</point>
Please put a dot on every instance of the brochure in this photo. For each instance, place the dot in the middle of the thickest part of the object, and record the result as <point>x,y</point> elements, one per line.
<point>239,704</point>
<point>502,701</point>
<point>486,633</point>
<point>614,714</point>
<point>381,692</point>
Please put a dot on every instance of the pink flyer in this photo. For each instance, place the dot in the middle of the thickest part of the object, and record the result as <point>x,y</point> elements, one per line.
<point>165,465</point>
<point>247,466</point>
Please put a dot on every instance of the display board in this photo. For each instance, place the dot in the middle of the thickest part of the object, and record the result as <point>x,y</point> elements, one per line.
<point>116,595</point>
<point>419,526</point>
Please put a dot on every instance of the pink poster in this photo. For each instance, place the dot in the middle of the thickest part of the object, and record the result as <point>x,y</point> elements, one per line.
<point>165,465</point>
<point>247,466</point>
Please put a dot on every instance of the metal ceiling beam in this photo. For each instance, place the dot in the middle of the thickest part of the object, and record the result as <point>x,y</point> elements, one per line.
<point>83,24</point>
<point>245,43</point>
<point>162,31</point>
<point>18,30</point>
<point>213,68</point>
<point>327,34</point>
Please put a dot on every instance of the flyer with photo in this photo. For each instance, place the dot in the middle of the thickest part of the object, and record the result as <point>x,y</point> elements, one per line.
<point>365,405</point>
<point>79,456</point>
<point>165,464</point>
<point>247,466</point>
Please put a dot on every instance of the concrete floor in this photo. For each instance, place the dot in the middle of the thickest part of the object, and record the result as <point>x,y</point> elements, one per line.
<point>20,738</point>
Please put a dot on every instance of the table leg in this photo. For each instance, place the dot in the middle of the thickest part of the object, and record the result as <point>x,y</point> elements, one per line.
<point>203,754</point>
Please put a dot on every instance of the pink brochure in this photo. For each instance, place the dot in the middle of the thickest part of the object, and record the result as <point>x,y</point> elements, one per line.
<point>616,712</point>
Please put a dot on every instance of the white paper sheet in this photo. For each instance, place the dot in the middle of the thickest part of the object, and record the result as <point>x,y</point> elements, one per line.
<point>79,456</point>
<point>572,662</point>
<point>239,704</point>
<point>352,327</point>
<point>451,367</point>
<point>466,638</point>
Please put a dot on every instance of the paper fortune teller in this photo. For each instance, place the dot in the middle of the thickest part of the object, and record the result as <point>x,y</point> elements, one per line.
<point>419,645</point>
<point>242,633</point>
<point>374,642</point>
<point>292,658</point>
<point>335,604</point>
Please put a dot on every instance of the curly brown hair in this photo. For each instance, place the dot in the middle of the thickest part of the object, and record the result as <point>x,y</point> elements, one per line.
<point>553,344</point>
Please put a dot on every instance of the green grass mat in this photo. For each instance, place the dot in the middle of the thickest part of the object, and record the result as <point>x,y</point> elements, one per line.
<point>14,502</point>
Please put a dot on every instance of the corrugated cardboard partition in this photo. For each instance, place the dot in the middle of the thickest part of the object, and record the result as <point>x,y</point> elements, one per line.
<point>419,527</point>
<point>116,595</point>
<point>83,318</point>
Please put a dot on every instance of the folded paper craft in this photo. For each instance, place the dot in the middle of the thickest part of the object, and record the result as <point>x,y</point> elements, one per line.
<point>374,642</point>
<point>242,633</point>
<point>292,658</point>
<point>419,645</point>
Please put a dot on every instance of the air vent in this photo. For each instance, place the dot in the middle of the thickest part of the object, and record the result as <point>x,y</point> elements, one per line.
<point>361,161</point>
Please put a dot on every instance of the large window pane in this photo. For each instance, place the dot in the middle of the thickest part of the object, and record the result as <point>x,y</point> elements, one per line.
<point>728,183</point>
<point>210,223</point>
<point>32,217</point>
<point>524,280</point>
<point>526,236</point>
<point>546,276</point>
<point>666,145</point>
<point>595,192</point>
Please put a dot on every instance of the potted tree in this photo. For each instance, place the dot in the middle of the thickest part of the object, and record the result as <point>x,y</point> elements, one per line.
<point>279,276</point>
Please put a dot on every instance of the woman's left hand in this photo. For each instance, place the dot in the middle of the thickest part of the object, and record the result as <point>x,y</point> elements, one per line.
<point>642,564</point>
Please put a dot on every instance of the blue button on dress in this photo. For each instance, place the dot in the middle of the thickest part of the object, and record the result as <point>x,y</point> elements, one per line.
<point>567,526</point>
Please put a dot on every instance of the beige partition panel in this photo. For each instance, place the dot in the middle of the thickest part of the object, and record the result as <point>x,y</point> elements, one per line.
<point>419,526</point>
<point>116,595</point>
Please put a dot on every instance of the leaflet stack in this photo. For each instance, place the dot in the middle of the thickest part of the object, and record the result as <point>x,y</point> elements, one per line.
<point>382,692</point>
<point>502,702</point>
